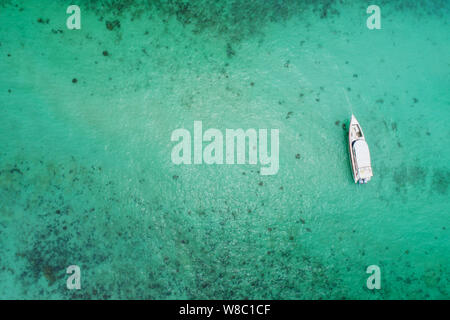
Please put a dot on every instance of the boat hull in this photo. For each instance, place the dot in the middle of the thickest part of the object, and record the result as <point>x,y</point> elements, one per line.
<point>356,134</point>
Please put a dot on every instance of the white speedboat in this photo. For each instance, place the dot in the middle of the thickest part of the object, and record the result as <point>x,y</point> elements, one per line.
<point>359,153</point>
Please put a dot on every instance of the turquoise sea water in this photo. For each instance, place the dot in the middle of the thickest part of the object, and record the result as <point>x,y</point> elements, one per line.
<point>86,176</point>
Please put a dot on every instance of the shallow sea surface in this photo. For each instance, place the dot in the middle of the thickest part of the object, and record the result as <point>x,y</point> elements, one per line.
<point>86,176</point>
